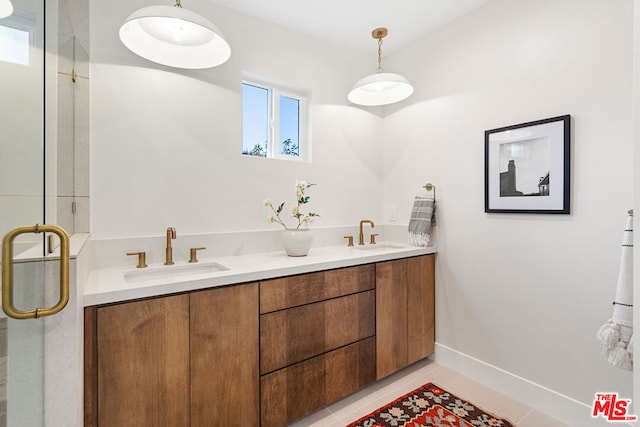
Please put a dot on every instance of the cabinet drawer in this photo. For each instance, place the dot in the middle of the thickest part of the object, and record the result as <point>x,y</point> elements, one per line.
<point>286,292</point>
<point>302,388</point>
<point>299,333</point>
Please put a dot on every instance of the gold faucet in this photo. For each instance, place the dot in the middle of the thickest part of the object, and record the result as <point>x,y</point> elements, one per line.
<point>361,240</point>
<point>171,234</point>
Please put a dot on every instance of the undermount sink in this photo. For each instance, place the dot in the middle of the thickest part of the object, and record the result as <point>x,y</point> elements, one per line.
<point>170,272</point>
<point>379,247</point>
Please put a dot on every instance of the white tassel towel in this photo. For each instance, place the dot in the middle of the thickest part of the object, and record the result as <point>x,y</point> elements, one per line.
<point>420,221</point>
<point>616,335</point>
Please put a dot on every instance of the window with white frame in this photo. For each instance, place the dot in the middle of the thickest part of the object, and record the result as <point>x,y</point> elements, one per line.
<point>274,122</point>
<point>16,37</point>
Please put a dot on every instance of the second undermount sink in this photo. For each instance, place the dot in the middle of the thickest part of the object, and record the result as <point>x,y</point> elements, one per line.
<point>379,247</point>
<point>171,272</point>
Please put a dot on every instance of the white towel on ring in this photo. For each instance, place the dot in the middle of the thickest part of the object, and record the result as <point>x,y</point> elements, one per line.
<point>616,335</point>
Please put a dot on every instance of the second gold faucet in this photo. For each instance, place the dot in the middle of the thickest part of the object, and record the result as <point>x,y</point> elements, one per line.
<point>171,234</point>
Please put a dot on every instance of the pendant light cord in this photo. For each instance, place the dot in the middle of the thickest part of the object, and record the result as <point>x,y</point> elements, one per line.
<point>379,33</point>
<point>379,70</point>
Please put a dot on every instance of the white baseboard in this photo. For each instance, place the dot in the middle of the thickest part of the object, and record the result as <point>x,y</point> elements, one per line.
<point>554,404</point>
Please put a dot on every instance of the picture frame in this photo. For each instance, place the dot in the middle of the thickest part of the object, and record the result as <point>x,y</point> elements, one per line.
<point>527,167</point>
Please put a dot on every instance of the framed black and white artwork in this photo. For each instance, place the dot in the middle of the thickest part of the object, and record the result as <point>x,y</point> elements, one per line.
<point>527,167</point>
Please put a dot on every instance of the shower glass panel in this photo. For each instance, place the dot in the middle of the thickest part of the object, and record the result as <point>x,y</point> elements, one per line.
<point>23,136</point>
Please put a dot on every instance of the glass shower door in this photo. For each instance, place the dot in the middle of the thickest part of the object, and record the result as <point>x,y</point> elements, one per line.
<point>22,201</point>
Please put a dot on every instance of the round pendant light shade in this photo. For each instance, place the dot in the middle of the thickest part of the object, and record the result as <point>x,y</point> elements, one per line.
<point>175,37</point>
<point>380,88</point>
<point>6,8</point>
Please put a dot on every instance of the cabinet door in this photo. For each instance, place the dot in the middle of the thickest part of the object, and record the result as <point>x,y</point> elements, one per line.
<point>391,316</point>
<point>143,363</point>
<point>405,312</point>
<point>224,357</point>
<point>420,307</point>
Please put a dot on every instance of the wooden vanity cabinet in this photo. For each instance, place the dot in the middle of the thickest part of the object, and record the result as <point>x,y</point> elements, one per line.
<point>189,359</point>
<point>317,340</point>
<point>256,354</point>
<point>405,312</point>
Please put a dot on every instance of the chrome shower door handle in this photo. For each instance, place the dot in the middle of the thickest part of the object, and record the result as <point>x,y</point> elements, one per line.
<point>7,272</point>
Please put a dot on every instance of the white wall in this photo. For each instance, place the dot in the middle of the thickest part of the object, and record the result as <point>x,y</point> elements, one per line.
<point>166,144</point>
<point>525,293</point>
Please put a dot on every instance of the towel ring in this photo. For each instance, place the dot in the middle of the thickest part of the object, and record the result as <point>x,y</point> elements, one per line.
<point>430,187</point>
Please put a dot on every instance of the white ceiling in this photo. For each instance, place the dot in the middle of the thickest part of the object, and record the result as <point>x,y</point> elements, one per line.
<point>350,22</point>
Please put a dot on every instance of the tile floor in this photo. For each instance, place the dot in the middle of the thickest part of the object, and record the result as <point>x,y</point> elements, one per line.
<point>369,399</point>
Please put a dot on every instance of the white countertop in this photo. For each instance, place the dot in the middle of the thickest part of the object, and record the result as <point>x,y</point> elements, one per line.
<point>110,285</point>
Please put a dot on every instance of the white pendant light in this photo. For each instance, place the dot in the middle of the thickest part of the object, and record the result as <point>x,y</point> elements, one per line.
<point>6,8</point>
<point>170,35</point>
<point>380,88</point>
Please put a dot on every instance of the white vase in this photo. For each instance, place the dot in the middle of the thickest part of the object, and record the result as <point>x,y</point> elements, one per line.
<point>297,241</point>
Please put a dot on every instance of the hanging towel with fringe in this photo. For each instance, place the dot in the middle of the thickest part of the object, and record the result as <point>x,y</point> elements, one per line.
<point>616,335</point>
<point>420,221</point>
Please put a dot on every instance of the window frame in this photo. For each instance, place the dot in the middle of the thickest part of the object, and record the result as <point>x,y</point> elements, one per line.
<point>22,20</point>
<point>275,92</point>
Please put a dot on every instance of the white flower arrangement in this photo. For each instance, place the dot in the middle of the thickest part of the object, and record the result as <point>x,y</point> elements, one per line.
<point>302,199</point>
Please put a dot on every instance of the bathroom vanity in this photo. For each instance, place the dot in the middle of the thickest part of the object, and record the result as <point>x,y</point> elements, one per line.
<point>263,352</point>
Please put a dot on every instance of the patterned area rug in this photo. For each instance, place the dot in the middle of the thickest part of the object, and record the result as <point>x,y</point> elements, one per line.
<point>430,405</point>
